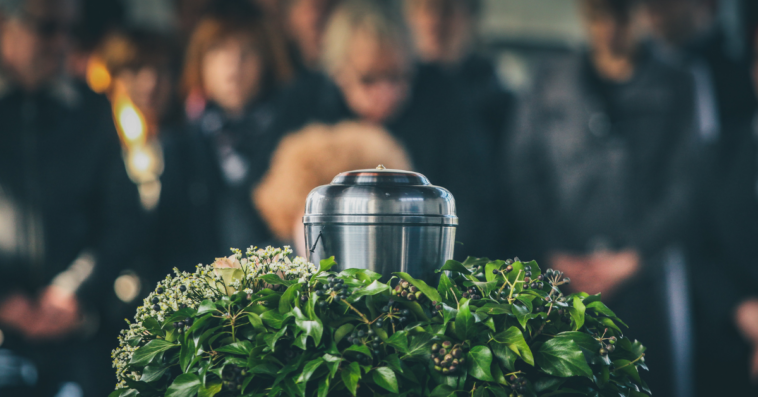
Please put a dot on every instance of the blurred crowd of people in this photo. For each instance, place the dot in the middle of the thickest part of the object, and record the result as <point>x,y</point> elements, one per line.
<point>631,164</point>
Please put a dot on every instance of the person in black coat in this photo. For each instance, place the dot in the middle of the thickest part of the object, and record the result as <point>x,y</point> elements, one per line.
<point>442,32</point>
<point>212,164</point>
<point>69,216</point>
<point>601,163</point>
<point>372,78</point>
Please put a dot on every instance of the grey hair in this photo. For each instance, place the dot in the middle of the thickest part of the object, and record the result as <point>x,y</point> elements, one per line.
<point>382,19</point>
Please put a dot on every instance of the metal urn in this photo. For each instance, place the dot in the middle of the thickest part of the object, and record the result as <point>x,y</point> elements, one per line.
<point>383,220</point>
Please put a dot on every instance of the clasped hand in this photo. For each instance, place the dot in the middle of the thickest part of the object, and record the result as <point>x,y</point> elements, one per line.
<point>53,315</point>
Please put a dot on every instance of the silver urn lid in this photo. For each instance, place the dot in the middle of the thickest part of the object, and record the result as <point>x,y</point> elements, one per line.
<point>381,219</point>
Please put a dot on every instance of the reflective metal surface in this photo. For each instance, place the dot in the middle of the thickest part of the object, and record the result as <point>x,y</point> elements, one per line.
<point>382,220</point>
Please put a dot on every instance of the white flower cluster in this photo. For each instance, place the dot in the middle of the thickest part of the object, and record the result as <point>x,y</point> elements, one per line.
<point>189,290</point>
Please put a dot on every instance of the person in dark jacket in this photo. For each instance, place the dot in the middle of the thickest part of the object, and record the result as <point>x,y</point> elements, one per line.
<point>69,216</point>
<point>724,255</point>
<point>372,78</point>
<point>601,165</point>
<point>231,74</point>
<point>442,32</point>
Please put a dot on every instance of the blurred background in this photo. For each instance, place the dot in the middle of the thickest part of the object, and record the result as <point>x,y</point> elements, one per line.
<point>614,140</point>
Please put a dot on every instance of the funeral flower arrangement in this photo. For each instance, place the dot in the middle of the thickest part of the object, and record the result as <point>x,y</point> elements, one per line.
<point>265,324</point>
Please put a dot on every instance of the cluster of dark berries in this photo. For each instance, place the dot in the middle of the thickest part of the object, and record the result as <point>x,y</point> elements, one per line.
<point>393,315</point>
<point>609,346</point>
<point>334,288</point>
<point>436,308</point>
<point>555,276</point>
<point>472,293</point>
<point>233,377</point>
<point>529,282</point>
<point>406,290</point>
<point>518,385</point>
<point>447,357</point>
<point>508,267</point>
<point>183,325</point>
<point>368,338</point>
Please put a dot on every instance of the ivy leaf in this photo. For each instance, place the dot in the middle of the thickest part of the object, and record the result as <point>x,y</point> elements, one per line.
<point>444,288</point>
<point>274,319</point>
<point>144,354</point>
<point>628,368</point>
<point>443,391</point>
<point>287,301</point>
<point>323,388</point>
<point>589,345</point>
<point>522,314</point>
<point>577,313</point>
<point>430,292</point>
<point>418,346</point>
<point>374,288</point>
<point>480,360</point>
<point>464,321</point>
<point>562,357</point>
<point>187,354</point>
<point>309,369</point>
<point>488,268</point>
<point>343,330</point>
<point>242,348</point>
<point>351,374</point>
<point>514,340</point>
<point>153,372</point>
<point>209,390</point>
<point>360,349</point>
<point>326,264</point>
<point>454,266</point>
<point>256,322</point>
<point>333,363</point>
<point>312,328</point>
<point>601,308</point>
<point>399,340</point>
<point>185,385</point>
<point>504,355</point>
<point>385,378</point>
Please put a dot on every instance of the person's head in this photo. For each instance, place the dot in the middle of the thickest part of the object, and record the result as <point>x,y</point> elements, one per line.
<point>312,157</point>
<point>304,22</point>
<point>612,26</point>
<point>233,56</point>
<point>140,63</point>
<point>676,22</point>
<point>34,37</point>
<point>366,51</point>
<point>441,28</point>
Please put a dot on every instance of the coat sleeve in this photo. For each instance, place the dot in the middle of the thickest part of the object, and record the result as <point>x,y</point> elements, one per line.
<point>118,219</point>
<point>665,219</point>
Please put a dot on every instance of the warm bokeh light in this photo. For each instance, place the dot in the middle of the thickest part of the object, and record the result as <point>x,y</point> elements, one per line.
<point>98,77</point>
<point>129,120</point>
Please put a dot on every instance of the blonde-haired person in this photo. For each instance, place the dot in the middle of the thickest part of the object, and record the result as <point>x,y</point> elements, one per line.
<point>233,70</point>
<point>312,157</point>
<point>371,76</point>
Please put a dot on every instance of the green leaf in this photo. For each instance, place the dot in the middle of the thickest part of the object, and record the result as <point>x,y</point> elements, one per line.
<point>185,385</point>
<point>256,322</point>
<point>309,369</point>
<point>430,292</point>
<point>351,374</point>
<point>454,266</point>
<point>522,313</point>
<point>153,372</point>
<point>443,391</point>
<point>144,354</point>
<point>418,347</point>
<point>242,348</point>
<point>399,340</point>
<point>360,349</point>
<point>628,368</point>
<point>590,346</point>
<point>210,390</point>
<point>187,354</point>
<point>274,319</point>
<point>513,338</point>
<point>504,355</point>
<point>464,322</point>
<point>343,330</point>
<point>323,388</point>
<point>480,360</point>
<point>385,378</point>
<point>326,264</point>
<point>206,306</point>
<point>577,313</point>
<point>287,301</point>
<point>444,288</point>
<point>374,288</point>
<point>312,328</point>
<point>562,357</point>
<point>601,308</point>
